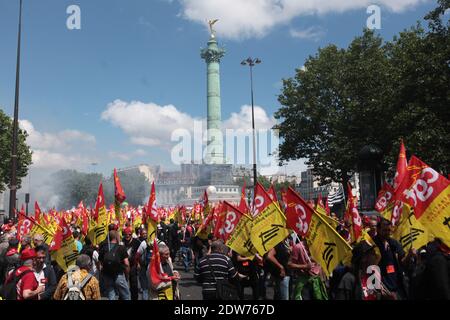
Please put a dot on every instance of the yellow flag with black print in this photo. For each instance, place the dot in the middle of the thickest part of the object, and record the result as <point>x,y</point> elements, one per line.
<point>268,229</point>
<point>327,247</point>
<point>152,227</point>
<point>240,241</point>
<point>410,232</point>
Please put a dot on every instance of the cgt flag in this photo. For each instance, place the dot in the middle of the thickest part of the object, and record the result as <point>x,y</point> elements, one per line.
<point>353,215</point>
<point>384,197</point>
<point>232,218</point>
<point>327,247</point>
<point>269,223</point>
<point>428,193</point>
<point>239,240</point>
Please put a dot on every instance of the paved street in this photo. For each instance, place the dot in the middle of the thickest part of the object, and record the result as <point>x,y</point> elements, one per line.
<point>191,290</point>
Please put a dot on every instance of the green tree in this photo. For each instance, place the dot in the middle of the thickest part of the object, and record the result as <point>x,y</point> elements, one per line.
<point>370,93</point>
<point>23,151</point>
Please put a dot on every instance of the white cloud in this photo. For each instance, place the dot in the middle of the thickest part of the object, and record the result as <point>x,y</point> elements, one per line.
<point>147,124</point>
<point>127,156</point>
<point>312,33</point>
<point>61,150</point>
<point>243,119</point>
<point>240,19</point>
<point>54,141</point>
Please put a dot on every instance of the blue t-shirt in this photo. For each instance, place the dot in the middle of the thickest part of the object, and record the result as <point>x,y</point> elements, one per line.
<point>79,245</point>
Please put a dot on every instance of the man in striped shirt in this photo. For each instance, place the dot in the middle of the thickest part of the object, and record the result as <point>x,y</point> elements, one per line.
<point>220,264</point>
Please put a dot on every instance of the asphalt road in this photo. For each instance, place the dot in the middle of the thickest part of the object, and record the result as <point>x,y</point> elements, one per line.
<point>191,290</point>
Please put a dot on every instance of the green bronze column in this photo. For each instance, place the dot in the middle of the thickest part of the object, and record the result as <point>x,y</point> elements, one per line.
<point>214,149</point>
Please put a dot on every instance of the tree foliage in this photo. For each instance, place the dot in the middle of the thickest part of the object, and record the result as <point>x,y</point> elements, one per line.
<point>72,186</point>
<point>23,152</point>
<point>372,92</point>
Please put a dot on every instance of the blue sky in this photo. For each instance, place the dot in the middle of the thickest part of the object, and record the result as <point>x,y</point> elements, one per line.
<point>78,86</point>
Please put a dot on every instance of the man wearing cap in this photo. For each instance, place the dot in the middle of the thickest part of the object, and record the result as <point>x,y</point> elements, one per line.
<point>27,287</point>
<point>132,246</point>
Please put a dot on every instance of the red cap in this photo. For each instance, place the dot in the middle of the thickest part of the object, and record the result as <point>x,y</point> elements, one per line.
<point>27,254</point>
<point>128,230</point>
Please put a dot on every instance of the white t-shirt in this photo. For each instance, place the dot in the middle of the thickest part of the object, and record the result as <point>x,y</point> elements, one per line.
<point>40,277</point>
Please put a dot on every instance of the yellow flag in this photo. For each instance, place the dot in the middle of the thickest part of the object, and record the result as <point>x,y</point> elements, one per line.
<point>323,214</point>
<point>436,218</point>
<point>137,222</point>
<point>67,254</point>
<point>39,229</point>
<point>165,294</point>
<point>268,229</point>
<point>98,231</point>
<point>410,232</point>
<point>152,227</point>
<point>240,241</point>
<point>327,247</point>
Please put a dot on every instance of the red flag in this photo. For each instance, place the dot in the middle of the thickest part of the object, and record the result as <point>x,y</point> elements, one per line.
<point>384,197</point>
<point>261,201</point>
<point>157,275</point>
<point>272,193</point>
<point>243,206</point>
<point>219,220</point>
<point>84,218</point>
<point>353,214</point>
<point>232,217</point>
<point>152,210</point>
<point>24,226</point>
<point>320,204</point>
<point>119,195</point>
<point>422,185</point>
<point>100,201</point>
<point>402,164</point>
<point>298,213</point>
<point>37,212</point>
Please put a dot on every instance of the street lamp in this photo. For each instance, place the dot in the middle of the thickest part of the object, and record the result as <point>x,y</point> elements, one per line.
<point>13,182</point>
<point>251,63</point>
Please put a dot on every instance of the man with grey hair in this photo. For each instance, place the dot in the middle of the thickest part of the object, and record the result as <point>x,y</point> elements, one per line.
<point>80,276</point>
<point>167,268</point>
<point>215,266</point>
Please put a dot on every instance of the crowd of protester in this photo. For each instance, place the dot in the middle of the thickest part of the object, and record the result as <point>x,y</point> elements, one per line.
<point>119,267</point>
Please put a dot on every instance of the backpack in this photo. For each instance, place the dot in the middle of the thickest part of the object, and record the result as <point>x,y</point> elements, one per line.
<point>111,262</point>
<point>146,256</point>
<point>75,290</point>
<point>9,290</point>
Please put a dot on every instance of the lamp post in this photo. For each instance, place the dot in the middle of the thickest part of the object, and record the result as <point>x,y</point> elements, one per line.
<point>251,63</point>
<point>13,182</point>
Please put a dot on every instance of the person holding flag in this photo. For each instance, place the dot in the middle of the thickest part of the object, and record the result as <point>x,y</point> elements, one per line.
<point>163,278</point>
<point>119,198</point>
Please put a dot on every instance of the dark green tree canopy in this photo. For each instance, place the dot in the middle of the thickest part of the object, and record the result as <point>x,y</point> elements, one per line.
<point>371,93</point>
<point>23,151</point>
